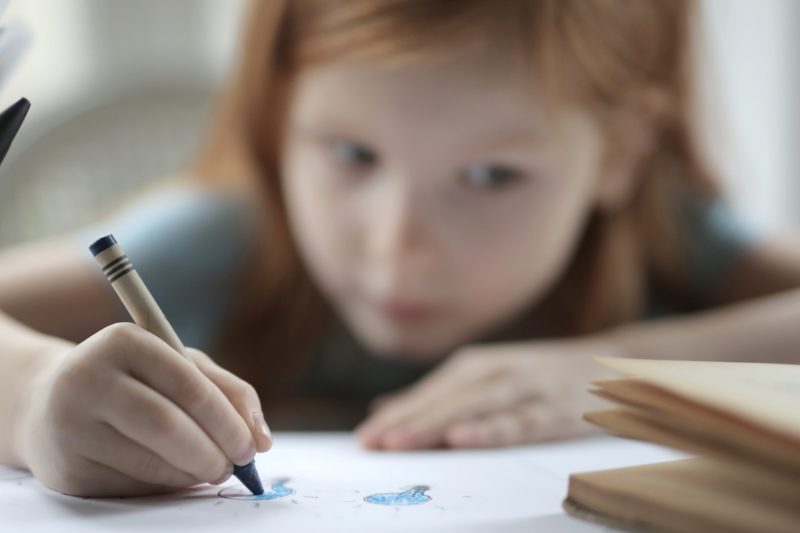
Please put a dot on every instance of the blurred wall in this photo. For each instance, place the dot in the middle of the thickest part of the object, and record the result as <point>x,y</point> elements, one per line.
<point>755,57</point>
<point>90,52</point>
<point>86,48</point>
<point>121,93</point>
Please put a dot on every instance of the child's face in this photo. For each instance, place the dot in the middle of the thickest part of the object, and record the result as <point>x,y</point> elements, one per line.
<point>433,203</point>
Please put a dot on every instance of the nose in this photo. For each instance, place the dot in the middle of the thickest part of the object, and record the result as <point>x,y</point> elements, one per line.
<point>399,231</point>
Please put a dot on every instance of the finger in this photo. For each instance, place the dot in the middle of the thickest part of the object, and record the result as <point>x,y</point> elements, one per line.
<point>90,479</point>
<point>383,400</point>
<point>428,427</point>
<point>389,419</point>
<point>154,363</point>
<point>144,416</point>
<point>110,448</point>
<point>434,389</point>
<point>242,396</point>
<point>531,422</point>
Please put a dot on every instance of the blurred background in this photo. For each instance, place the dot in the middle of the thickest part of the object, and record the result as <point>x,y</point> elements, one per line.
<point>122,89</point>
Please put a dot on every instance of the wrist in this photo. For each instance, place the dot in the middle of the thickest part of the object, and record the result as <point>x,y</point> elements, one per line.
<point>31,380</point>
<point>621,341</point>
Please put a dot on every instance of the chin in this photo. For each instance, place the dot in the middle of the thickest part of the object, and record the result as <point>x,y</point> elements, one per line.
<point>418,347</point>
<point>418,342</point>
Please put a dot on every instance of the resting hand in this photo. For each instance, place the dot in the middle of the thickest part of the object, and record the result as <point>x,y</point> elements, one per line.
<point>487,396</point>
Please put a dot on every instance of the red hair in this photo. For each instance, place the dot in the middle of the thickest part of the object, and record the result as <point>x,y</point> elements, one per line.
<point>604,56</point>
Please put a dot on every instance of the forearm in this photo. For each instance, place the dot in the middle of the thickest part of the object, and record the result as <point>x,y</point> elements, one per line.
<point>24,354</point>
<point>761,330</point>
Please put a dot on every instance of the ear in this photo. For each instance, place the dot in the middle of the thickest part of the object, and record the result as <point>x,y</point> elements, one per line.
<point>631,137</point>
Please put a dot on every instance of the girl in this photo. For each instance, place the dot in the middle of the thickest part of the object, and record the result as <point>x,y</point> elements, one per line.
<point>463,201</point>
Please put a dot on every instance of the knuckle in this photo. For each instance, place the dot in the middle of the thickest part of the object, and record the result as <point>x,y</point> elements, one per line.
<point>199,356</point>
<point>115,343</point>
<point>245,390</point>
<point>124,333</point>
<point>196,393</point>
<point>160,424</point>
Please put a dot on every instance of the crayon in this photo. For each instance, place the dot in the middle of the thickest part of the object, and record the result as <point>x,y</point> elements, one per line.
<point>146,313</point>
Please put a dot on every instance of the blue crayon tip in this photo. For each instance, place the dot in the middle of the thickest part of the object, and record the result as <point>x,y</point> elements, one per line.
<point>102,244</point>
<point>248,475</point>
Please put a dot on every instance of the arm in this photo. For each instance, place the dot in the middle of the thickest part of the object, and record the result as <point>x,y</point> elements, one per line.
<point>23,356</point>
<point>53,289</point>
<point>508,394</point>
<point>758,318</point>
<point>49,299</point>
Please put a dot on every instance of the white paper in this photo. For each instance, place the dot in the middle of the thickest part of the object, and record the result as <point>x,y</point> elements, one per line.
<point>330,476</point>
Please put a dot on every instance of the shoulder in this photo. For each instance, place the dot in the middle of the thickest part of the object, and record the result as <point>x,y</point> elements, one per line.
<point>189,244</point>
<point>715,239</point>
<point>188,217</point>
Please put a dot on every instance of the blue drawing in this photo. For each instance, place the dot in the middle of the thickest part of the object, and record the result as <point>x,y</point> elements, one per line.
<point>277,489</point>
<point>413,496</point>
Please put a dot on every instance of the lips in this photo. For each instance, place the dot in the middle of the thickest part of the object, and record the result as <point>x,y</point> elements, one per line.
<point>407,311</point>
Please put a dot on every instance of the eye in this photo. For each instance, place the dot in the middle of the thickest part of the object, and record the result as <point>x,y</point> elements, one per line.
<point>490,177</point>
<point>353,154</point>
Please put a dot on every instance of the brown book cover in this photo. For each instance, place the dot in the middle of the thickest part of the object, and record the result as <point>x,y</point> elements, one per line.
<point>741,418</point>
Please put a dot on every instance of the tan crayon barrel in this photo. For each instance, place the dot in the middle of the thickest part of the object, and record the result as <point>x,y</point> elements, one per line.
<point>130,288</point>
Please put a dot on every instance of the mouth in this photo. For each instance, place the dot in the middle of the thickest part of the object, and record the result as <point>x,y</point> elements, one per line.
<point>407,311</point>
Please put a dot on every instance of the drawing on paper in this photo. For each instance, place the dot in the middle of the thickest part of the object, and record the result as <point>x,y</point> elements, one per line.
<point>413,496</point>
<point>277,489</point>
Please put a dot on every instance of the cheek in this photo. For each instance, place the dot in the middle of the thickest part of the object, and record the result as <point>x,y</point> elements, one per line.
<point>527,255</point>
<point>318,223</point>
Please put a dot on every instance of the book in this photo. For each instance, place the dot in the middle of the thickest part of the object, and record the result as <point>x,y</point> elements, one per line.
<point>742,422</point>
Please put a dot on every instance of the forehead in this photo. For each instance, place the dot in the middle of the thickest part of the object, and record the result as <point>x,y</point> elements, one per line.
<point>463,92</point>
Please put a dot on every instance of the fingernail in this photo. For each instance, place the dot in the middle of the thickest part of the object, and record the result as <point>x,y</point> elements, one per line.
<point>225,477</point>
<point>261,424</point>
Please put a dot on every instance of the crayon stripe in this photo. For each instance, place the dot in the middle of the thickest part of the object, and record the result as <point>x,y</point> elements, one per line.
<point>116,261</point>
<point>117,268</point>
<point>121,273</point>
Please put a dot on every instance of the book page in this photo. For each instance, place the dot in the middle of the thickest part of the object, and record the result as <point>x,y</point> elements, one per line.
<point>766,394</point>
